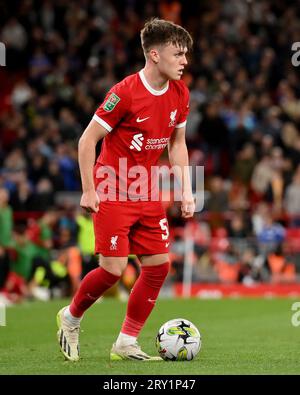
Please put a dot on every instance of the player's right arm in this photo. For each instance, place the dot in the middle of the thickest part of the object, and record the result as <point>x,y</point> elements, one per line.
<point>108,115</point>
<point>86,157</point>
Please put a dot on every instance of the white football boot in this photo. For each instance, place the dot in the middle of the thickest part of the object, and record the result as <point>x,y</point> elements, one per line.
<point>68,337</point>
<point>132,352</point>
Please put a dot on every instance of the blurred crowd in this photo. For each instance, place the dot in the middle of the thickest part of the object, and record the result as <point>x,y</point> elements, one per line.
<point>46,255</point>
<point>244,122</point>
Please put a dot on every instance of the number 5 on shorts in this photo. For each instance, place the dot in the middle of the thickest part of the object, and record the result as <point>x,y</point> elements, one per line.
<point>164,227</point>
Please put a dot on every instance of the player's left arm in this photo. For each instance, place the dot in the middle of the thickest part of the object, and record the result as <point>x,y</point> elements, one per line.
<point>178,156</point>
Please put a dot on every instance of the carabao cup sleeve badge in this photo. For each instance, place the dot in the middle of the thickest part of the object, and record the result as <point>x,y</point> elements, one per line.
<point>111,102</point>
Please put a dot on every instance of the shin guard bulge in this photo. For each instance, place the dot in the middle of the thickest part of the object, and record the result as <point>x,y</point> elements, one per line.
<point>143,297</point>
<point>94,284</point>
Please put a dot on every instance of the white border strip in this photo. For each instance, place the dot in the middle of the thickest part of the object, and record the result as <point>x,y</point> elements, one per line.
<point>180,125</point>
<point>149,87</point>
<point>102,123</point>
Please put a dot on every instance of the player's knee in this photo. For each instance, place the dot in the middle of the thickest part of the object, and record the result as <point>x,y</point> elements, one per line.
<point>113,267</point>
<point>154,260</point>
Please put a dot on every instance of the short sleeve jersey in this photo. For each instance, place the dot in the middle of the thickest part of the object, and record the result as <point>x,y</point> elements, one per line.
<point>139,121</point>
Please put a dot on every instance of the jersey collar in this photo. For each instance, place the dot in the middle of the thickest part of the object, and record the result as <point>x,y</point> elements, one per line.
<point>149,88</point>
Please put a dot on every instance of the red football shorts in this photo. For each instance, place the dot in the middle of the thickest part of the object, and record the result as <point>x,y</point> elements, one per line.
<point>123,228</point>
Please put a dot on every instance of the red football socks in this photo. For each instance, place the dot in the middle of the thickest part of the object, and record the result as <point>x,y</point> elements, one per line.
<point>94,284</point>
<point>143,297</point>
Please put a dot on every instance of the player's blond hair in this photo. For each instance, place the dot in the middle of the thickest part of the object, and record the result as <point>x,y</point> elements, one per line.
<point>160,32</point>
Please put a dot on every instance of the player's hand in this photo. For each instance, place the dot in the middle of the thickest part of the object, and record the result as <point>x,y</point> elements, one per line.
<point>187,206</point>
<point>90,201</point>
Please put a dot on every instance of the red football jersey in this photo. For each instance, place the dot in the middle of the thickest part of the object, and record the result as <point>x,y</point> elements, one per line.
<point>139,121</point>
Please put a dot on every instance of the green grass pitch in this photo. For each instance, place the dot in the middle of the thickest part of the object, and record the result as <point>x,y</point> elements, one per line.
<point>240,336</point>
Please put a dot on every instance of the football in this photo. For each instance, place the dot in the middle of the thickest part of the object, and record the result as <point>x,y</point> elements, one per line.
<point>178,340</point>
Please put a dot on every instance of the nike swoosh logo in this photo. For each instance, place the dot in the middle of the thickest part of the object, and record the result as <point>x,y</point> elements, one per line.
<point>151,300</point>
<point>141,120</point>
<point>91,297</point>
<point>167,245</point>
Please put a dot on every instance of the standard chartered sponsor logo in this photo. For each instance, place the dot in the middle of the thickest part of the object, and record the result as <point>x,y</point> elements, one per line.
<point>138,139</point>
<point>157,143</point>
<point>137,142</point>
